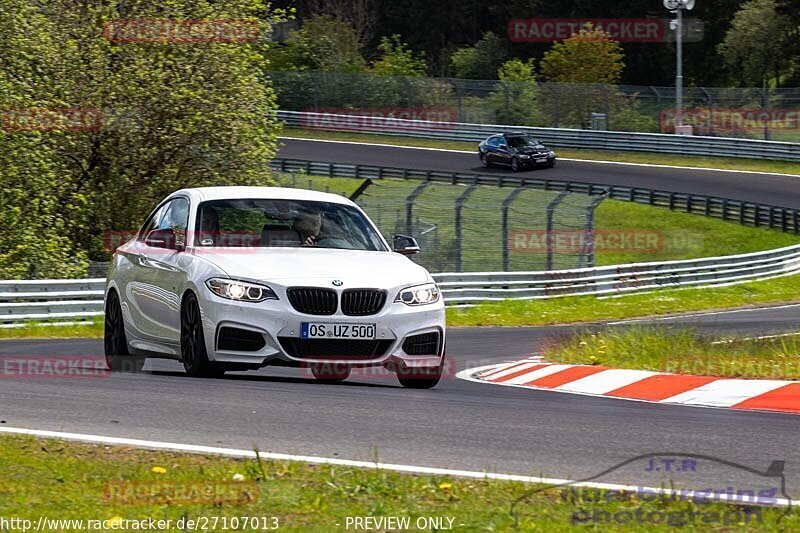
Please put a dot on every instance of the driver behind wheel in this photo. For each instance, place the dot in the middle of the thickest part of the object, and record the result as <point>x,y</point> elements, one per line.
<point>307,225</point>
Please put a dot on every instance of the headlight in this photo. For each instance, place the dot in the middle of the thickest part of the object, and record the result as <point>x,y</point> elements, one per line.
<point>551,154</point>
<point>243,291</point>
<point>419,294</point>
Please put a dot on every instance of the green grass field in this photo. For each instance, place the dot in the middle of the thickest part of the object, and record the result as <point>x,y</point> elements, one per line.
<point>60,480</point>
<point>578,309</point>
<point>682,352</point>
<point>669,235</point>
<point>729,163</point>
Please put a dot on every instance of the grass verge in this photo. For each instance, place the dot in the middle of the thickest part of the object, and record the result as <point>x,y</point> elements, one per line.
<point>727,163</point>
<point>626,232</point>
<point>681,352</point>
<point>63,480</point>
<point>666,235</point>
<point>576,309</point>
<point>87,330</point>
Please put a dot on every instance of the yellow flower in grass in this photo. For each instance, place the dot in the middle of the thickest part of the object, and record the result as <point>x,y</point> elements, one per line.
<point>158,470</point>
<point>113,523</point>
<point>445,486</point>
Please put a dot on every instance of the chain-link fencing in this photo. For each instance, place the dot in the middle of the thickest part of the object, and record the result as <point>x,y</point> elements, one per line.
<point>756,113</point>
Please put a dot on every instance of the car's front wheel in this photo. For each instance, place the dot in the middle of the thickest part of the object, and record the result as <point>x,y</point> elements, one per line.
<point>419,378</point>
<point>115,345</point>
<point>514,164</point>
<point>193,344</point>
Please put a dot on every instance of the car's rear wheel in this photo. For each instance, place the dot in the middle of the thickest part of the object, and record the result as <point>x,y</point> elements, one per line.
<point>193,344</point>
<point>115,344</point>
<point>514,164</point>
<point>330,373</point>
<point>485,160</point>
<point>419,378</point>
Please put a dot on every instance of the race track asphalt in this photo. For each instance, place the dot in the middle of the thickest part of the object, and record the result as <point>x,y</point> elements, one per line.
<point>459,424</point>
<point>772,189</point>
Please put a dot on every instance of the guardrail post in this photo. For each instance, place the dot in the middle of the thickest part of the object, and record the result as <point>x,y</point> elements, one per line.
<point>358,192</point>
<point>548,237</point>
<point>410,206</point>
<point>459,239</point>
<point>506,205</point>
<point>589,231</point>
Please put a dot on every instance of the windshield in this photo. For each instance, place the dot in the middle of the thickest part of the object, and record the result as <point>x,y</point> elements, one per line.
<point>284,223</point>
<point>521,140</point>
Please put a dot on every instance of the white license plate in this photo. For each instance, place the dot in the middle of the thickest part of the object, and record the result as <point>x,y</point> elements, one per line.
<point>324,330</point>
<point>542,160</point>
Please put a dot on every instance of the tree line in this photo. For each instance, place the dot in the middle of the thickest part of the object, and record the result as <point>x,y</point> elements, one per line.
<point>754,43</point>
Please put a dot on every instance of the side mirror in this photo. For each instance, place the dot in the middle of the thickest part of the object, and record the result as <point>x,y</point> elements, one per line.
<point>162,238</point>
<point>403,244</point>
<point>503,147</point>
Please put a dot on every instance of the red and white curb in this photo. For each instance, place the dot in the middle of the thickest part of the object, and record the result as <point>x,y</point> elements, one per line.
<point>643,385</point>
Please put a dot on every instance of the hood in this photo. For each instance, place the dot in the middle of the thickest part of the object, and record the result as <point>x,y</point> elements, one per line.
<point>318,266</point>
<point>532,149</point>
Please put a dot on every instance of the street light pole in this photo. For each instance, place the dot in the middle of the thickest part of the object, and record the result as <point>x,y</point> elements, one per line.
<point>679,69</point>
<point>677,6</point>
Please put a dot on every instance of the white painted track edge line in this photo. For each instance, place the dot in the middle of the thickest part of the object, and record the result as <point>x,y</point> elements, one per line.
<point>251,454</point>
<point>593,161</point>
<point>700,314</point>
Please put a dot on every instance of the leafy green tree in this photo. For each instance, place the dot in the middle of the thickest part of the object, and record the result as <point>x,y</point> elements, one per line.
<point>174,114</point>
<point>322,43</point>
<point>480,61</point>
<point>396,59</point>
<point>515,100</point>
<point>589,56</point>
<point>581,70</point>
<point>753,44</point>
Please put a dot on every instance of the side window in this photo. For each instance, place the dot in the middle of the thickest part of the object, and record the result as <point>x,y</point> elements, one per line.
<point>494,142</point>
<point>172,215</point>
<point>153,222</point>
<point>177,215</point>
<point>176,218</point>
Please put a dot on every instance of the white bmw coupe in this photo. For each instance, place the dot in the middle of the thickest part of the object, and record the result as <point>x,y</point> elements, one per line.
<point>237,278</point>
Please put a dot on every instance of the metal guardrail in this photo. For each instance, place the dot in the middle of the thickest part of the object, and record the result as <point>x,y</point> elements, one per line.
<point>51,299</point>
<point>64,299</point>
<point>745,213</point>
<point>48,300</point>
<point>556,137</point>
<point>470,287</point>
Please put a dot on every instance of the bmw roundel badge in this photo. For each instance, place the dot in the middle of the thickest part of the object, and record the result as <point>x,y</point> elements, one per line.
<point>338,283</point>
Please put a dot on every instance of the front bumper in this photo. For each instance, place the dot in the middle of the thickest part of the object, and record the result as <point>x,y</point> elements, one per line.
<point>278,323</point>
<point>534,161</point>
